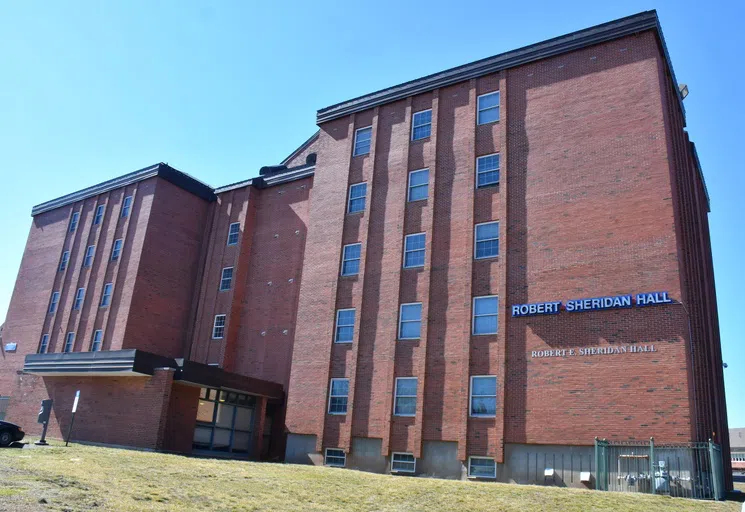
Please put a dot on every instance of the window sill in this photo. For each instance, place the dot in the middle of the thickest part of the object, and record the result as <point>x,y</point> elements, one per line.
<point>488,122</point>
<point>483,416</point>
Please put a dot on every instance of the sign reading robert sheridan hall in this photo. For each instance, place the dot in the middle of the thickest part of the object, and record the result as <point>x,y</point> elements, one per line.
<point>594,304</point>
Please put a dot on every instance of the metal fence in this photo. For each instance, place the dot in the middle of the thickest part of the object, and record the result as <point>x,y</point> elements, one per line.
<point>686,470</point>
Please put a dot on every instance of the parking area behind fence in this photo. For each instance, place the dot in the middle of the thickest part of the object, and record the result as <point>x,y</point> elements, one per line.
<point>685,470</point>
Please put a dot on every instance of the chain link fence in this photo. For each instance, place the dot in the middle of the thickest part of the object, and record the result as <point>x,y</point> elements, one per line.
<point>685,470</point>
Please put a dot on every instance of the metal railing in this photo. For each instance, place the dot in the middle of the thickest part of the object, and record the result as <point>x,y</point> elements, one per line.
<point>686,470</point>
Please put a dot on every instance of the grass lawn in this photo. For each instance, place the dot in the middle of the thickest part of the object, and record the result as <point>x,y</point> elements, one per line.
<point>92,478</point>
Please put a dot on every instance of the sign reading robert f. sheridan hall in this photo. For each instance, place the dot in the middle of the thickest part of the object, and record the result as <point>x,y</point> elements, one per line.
<point>594,304</point>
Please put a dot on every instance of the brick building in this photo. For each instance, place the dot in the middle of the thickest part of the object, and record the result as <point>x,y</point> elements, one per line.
<point>474,273</point>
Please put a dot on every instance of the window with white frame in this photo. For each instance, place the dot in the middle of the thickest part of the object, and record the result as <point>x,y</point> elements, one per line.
<point>233,232</point>
<point>106,295</point>
<point>404,403</point>
<point>53,302</point>
<point>97,339</point>
<point>99,214</point>
<point>127,206</point>
<point>335,457</point>
<point>344,325</point>
<point>484,396</point>
<point>487,240</point>
<point>485,314</point>
<point>414,246</point>
<point>338,396</point>
<point>74,221</point>
<point>218,327</point>
<point>350,264</point>
<point>69,342</point>
<point>403,463</point>
<point>487,170</point>
<point>410,321</point>
<point>79,298</point>
<point>362,141</point>
<point>488,106</point>
<point>116,250</point>
<point>226,280</point>
<point>418,185</point>
<point>421,125</point>
<point>482,467</point>
<point>64,260</point>
<point>89,253</point>
<point>357,193</point>
<point>44,344</point>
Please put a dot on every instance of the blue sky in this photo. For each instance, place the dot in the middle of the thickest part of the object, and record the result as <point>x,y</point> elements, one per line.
<point>92,90</point>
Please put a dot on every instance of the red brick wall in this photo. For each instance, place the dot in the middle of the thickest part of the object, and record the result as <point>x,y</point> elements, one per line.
<point>585,210</point>
<point>165,280</point>
<point>267,270</point>
<point>181,418</point>
<point>129,411</point>
<point>299,159</point>
<point>590,214</point>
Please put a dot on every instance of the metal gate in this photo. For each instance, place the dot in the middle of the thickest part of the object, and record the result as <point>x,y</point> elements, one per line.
<point>686,470</point>
<point>3,406</point>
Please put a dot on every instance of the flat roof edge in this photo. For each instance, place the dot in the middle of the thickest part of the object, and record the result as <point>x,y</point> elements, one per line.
<point>608,31</point>
<point>165,171</point>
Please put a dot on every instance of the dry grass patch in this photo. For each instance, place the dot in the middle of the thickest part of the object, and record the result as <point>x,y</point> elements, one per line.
<point>87,478</point>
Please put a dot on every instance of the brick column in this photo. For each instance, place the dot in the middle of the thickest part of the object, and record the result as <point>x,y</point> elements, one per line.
<point>258,432</point>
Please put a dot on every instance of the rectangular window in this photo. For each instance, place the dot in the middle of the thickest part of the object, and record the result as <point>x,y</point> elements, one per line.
<point>127,206</point>
<point>362,141</point>
<point>357,193</point>
<point>338,396</point>
<point>405,400</point>
<point>414,250</point>
<point>350,265</point>
<point>344,325</point>
<point>69,342</point>
<point>44,344</point>
<point>99,214</point>
<point>403,463</point>
<point>421,125</point>
<point>418,185</point>
<point>410,321</point>
<point>97,339</point>
<point>335,457</point>
<point>487,170</point>
<point>487,240</point>
<point>79,298</point>
<point>226,281</point>
<point>484,396</point>
<point>218,328</point>
<point>53,302</point>
<point>233,232</point>
<point>64,260</point>
<point>106,295</point>
<point>482,467</point>
<point>74,221</point>
<point>116,250</point>
<point>89,253</point>
<point>485,314</point>
<point>488,108</point>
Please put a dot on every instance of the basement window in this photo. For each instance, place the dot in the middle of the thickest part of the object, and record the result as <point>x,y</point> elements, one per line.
<point>403,463</point>
<point>482,467</point>
<point>335,457</point>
